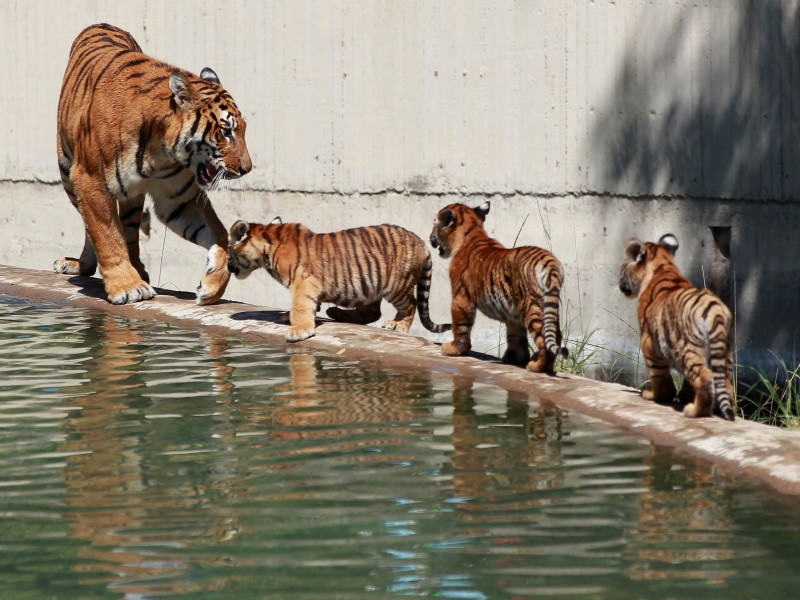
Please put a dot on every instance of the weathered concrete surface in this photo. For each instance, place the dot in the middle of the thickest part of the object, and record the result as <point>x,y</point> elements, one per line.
<point>746,449</point>
<point>584,122</point>
<point>586,233</point>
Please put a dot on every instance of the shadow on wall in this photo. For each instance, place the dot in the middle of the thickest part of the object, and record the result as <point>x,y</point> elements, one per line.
<point>704,118</point>
<point>708,109</point>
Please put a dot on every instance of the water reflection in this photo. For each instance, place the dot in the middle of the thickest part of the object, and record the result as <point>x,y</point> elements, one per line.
<point>143,460</point>
<point>684,525</point>
<point>127,492</point>
<point>509,452</point>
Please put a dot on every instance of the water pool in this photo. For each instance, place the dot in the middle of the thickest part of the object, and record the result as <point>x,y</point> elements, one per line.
<point>141,460</point>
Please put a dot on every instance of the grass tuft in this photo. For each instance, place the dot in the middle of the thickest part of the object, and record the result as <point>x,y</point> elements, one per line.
<point>773,399</point>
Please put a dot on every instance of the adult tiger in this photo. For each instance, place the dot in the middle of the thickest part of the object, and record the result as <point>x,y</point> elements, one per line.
<point>130,125</point>
<point>682,327</point>
<point>518,286</point>
<point>355,268</point>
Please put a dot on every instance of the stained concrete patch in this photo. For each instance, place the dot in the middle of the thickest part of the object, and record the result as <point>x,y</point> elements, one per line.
<point>743,448</point>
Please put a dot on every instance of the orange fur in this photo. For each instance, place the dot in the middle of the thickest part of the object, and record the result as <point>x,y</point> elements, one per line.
<point>518,286</point>
<point>682,327</point>
<point>355,268</point>
<point>130,125</point>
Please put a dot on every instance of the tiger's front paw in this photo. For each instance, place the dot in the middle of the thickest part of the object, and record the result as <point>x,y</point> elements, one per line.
<point>298,334</point>
<point>401,326</point>
<point>129,293</point>
<point>452,349</point>
<point>212,285</point>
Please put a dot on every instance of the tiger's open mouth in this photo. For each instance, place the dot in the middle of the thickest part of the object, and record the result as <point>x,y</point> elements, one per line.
<point>206,173</point>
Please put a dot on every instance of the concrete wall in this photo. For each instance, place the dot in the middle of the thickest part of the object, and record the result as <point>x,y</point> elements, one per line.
<point>585,122</point>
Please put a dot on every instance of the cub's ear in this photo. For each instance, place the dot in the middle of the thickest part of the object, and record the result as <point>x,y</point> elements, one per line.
<point>238,232</point>
<point>447,217</point>
<point>635,250</point>
<point>276,221</point>
<point>669,242</point>
<point>182,91</point>
<point>209,75</point>
<point>483,210</point>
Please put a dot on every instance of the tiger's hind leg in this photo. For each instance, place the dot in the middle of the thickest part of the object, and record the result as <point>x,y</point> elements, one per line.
<point>87,263</point>
<point>362,314</point>
<point>517,351</point>
<point>661,387</point>
<point>698,374</point>
<point>406,305</point>
<point>702,405</point>
<point>544,361</point>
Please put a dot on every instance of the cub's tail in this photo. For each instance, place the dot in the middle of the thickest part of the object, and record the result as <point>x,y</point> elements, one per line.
<point>550,280</point>
<point>719,361</point>
<point>423,293</point>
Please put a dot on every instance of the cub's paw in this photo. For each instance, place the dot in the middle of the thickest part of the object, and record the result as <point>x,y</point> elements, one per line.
<point>536,366</point>
<point>451,349</point>
<point>690,410</point>
<point>298,334</point>
<point>400,326</point>
<point>129,294</point>
<point>67,266</point>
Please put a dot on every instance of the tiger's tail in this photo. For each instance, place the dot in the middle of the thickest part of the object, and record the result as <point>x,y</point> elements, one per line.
<point>718,362</point>
<point>550,282</point>
<point>423,293</point>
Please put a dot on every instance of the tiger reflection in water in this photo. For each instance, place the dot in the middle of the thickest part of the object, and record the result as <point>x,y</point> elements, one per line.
<point>122,487</point>
<point>500,457</point>
<point>684,522</point>
<point>324,393</point>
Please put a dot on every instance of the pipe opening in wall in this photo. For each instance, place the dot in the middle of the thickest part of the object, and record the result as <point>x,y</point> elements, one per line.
<point>721,262</point>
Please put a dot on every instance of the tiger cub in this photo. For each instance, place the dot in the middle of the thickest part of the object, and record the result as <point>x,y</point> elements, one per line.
<point>128,126</point>
<point>518,286</point>
<point>354,268</point>
<point>682,327</point>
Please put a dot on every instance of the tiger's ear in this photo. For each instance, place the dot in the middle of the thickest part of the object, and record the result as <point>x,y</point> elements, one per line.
<point>669,242</point>
<point>447,217</point>
<point>276,221</point>
<point>238,232</point>
<point>483,210</point>
<point>182,91</point>
<point>209,75</point>
<point>635,250</point>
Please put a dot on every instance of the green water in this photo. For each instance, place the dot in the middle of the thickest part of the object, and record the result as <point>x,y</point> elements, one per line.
<point>140,460</point>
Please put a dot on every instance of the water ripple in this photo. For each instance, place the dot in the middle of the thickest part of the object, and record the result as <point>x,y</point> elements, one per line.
<point>142,460</point>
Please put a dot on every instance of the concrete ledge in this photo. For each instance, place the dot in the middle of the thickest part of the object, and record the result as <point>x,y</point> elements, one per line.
<point>744,448</point>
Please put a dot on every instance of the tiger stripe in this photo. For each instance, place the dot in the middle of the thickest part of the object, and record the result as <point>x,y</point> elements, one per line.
<point>520,287</point>
<point>109,158</point>
<point>682,327</point>
<point>354,269</point>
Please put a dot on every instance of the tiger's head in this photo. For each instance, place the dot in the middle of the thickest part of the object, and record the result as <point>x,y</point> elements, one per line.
<point>248,247</point>
<point>211,138</point>
<point>452,224</point>
<point>642,260</point>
